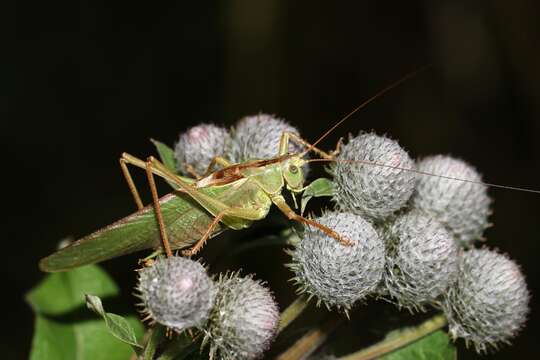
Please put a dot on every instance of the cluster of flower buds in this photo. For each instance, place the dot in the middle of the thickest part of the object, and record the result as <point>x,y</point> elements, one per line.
<point>237,315</point>
<point>413,227</point>
<point>253,137</point>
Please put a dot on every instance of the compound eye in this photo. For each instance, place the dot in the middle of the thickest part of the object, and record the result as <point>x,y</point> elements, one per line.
<point>293,169</point>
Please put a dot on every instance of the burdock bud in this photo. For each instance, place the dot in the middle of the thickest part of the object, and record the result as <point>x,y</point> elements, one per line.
<point>421,262</point>
<point>244,319</point>
<point>176,292</point>
<point>197,147</point>
<point>258,137</point>
<point>489,303</point>
<point>335,274</point>
<point>463,207</point>
<point>376,188</point>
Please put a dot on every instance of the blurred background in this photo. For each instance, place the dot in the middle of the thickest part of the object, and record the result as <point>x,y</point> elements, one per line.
<point>94,79</point>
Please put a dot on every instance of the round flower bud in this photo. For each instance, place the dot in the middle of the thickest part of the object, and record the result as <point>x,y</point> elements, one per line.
<point>489,303</point>
<point>176,292</point>
<point>377,188</point>
<point>463,207</point>
<point>197,147</point>
<point>243,321</point>
<point>335,274</point>
<point>421,262</point>
<point>258,137</point>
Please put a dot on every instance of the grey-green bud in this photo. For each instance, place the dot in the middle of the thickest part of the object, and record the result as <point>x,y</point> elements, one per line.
<point>335,274</point>
<point>489,303</point>
<point>381,186</point>
<point>258,137</point>
<point>198,146</point>
<point>422,260</point>
<point>463,207</point>
<point>176,292</point>
<point>244,320</point>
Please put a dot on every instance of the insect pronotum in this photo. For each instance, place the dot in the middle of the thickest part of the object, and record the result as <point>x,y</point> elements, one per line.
<point>231,197</point>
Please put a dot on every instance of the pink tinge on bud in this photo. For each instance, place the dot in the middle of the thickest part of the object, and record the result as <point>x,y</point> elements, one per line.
<point>395,160</point>
<point>185,284</point>
<point>197,133</point>
<point>270,323</point>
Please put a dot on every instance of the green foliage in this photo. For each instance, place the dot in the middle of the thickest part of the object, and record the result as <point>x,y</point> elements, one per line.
<point>166,154</point>
<point>64,329</point>
<point>117,325</point>
<point>317,188</point>
<point>435,346</point>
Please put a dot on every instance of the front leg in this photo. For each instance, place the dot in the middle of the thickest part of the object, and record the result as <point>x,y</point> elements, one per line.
<point>280,202</point>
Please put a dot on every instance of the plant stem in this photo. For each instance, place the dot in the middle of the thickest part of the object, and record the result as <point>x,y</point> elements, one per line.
<point>157,334</point>
<point>179,348</point>
<point>405,338</point>
<point>308,343</point>
<point>292,312</point>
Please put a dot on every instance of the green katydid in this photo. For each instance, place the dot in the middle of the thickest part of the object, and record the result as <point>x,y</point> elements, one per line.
<point>230,198</point>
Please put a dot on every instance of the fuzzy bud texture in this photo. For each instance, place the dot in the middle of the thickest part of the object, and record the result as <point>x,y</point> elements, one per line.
<point>198,146</point>
<point>244,320</point>
<point>489,303</point>
<point>463,207</point>
<point>422,260</point>
<point>176,292</point>
<point>258,137</point>
<point>339,275</point>
<point>374,190</point>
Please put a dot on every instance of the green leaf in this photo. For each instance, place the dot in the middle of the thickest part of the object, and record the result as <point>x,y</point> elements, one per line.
<point>166,155</point>
<point>64,328</point>
<point>117,325</point>
<point>435,346</point>
<point>318,188</point>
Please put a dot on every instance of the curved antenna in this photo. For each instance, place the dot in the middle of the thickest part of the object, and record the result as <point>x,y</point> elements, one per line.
<point>366,162</point>
<point>364,104</point>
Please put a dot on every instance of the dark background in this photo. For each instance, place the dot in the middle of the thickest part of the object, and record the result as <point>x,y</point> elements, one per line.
<point>94,79</point>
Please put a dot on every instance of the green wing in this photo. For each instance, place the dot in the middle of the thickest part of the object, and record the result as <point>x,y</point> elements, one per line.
<point>185,220</point>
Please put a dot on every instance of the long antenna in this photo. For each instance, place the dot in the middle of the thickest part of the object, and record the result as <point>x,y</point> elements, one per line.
<point>364,104</point>
<point>366,162</point>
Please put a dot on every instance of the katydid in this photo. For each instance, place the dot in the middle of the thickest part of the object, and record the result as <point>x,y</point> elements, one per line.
<point>232,197</point>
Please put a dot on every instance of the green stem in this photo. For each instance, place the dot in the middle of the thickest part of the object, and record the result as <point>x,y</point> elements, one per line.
<point>157,334</point>
<point>179,348</point>
<point>308,343</point>
<point>407,337</point>
<point>292,312</point>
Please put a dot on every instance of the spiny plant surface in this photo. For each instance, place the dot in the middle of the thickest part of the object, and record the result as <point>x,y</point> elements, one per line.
<point>335,274</point>
<point>407,224</point>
